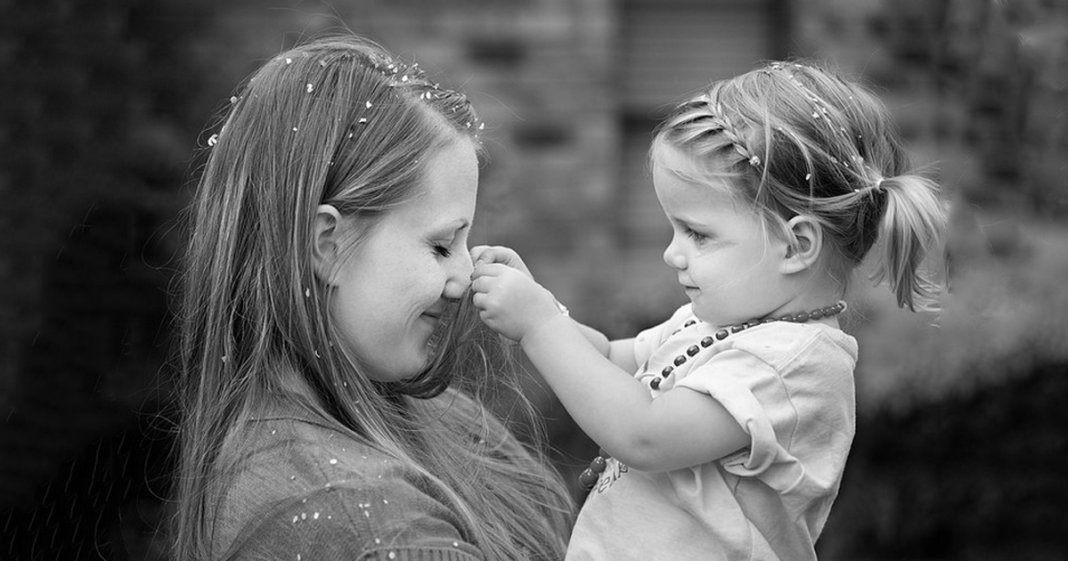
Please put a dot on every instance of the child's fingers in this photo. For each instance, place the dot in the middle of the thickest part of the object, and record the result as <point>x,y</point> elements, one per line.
<point>477,253</point>
<point>486,277</point>
<point>479,300</point>
<point>494,254</point>
<point>480,285</point>
<point>498,254</point>
<point>488,270</point>
<point>477,273</point>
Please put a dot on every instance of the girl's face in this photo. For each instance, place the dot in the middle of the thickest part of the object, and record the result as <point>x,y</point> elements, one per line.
<point>391,291</point>
<point>727,262</point>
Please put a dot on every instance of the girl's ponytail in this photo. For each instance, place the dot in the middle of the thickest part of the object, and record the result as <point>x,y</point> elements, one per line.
<point>911,225</point>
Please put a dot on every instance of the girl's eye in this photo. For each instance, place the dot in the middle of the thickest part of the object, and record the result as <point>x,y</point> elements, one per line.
<point>442,250</point>
<point>694,235</point>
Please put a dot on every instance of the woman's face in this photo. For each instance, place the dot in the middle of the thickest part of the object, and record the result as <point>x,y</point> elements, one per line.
<point>393,288</point>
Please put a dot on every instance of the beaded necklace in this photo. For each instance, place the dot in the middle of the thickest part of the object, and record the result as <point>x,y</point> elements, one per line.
<point>589,476</point>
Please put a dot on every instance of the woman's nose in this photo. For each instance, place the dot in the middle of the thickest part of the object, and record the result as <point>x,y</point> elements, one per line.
<point>460,268</point>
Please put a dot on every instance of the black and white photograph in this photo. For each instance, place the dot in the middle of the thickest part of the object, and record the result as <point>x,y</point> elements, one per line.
<point>503,280</point>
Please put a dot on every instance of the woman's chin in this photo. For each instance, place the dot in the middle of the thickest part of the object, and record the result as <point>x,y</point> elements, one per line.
<point>415,362</point>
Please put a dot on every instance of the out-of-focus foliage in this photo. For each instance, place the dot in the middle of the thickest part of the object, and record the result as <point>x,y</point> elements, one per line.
<point>977,477</point>
<point>101,106</point>
<point>1006,61</point>
<point>961,450</point>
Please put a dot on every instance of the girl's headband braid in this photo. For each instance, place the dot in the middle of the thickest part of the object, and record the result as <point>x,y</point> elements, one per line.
<point>716,119</point>
<point>730,133</point>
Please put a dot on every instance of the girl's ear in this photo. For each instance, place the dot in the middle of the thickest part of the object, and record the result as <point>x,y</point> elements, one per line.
<point>326,232</point>
<point>806,247</point>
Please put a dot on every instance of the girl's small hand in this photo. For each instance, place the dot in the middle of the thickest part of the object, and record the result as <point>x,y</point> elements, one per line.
<point>499,254</point>
<point>509,301</point>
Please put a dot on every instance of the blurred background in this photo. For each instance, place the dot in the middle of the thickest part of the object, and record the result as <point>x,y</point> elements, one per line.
<point>961,449</point>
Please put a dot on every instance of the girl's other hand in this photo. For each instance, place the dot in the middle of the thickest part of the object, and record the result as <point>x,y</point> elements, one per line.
<point>499,254</point>
<point>509,301</point>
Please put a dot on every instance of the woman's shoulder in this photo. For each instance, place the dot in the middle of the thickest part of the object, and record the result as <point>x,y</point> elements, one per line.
<point>303,479</point>
<point>486,430</point>
<point>353,521</point>
<point>290,456</point>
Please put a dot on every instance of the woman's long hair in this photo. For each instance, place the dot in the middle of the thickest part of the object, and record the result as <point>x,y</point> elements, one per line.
<point>335,121</point>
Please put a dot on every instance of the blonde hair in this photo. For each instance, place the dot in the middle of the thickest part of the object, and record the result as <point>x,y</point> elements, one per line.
<point>800,140</point>
<point>335,121</point>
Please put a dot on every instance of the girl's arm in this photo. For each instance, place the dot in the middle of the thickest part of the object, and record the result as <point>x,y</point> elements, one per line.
<point>620,351</point>
<point>680,428</point>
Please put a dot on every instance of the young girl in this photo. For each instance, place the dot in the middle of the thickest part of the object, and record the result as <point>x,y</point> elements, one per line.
<point>325,356</point>
<point>730,438</point>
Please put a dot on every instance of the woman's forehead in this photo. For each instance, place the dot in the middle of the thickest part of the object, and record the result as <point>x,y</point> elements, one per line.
<point>449,186</point>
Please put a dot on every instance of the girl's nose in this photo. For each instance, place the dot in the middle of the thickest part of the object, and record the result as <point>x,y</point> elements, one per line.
<point>459,279</point>
<point>673,257</point>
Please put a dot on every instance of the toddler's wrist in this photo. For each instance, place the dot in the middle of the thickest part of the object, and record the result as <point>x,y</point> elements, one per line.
<point>549,324</point>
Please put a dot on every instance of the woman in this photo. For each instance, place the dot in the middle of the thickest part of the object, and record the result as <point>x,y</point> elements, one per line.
<point>326,327</point>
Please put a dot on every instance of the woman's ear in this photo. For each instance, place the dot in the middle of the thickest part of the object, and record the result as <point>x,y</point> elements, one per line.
<point>806,247</point>
<point>326,231</point>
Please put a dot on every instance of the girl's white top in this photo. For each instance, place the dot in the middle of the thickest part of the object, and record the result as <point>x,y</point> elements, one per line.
<point>790,387</point>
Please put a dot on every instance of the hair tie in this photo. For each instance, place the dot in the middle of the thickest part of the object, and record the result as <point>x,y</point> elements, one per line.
<point>876,185</point>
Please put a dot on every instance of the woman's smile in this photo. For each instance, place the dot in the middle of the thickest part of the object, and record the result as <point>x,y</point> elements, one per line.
<point>394,290</point>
